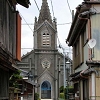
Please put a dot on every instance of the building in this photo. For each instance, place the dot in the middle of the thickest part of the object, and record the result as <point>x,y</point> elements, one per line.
<point>45,63</point>
<point>86,59</point>
<point>10,32</point>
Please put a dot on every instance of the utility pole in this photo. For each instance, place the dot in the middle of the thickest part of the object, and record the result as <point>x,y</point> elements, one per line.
<point>64,70</point>
<point>58,75</point>
<point>63,65</point>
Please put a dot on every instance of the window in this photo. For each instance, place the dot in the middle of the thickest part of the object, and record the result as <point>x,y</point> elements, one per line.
<point>95,34</point>
<point>46,39</point>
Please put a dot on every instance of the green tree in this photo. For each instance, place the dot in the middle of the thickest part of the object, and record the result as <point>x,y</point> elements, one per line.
<point>13,79</point>
<point>61,89</point>
<point>36,96</point>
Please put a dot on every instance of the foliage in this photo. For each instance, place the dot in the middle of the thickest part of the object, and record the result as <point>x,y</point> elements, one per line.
<point>62,95</point>
<point>69,89</point>
<point>36,96</point>
<point>64,92</point>
<point>13,79</point>
<point>61,89</point>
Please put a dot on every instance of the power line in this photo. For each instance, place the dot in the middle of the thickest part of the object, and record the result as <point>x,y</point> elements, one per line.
<point>52,8</point>
<point>41,15</point>
<point>64,23</point>
<point>37,5</point>
<point>26,48</point>
<point>69,7</point>
<point>45,23</point>
<point>57,24</point>
<point>95,9</point>
<point>26,22</point>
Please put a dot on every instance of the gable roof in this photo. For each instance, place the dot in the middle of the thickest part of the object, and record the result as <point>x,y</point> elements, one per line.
<point>46,24</point>
<point>46,71</point>
<point>27,54</point>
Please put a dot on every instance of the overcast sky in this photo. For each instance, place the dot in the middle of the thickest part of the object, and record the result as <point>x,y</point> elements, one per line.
<point>61,13</point>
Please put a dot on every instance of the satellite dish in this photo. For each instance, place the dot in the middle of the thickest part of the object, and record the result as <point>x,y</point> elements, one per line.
<point>91,43</point>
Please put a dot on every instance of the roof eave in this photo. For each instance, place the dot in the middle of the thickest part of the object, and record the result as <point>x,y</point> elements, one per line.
<point>76,23</point>
<point>92,2</point>
<point>24,3</point>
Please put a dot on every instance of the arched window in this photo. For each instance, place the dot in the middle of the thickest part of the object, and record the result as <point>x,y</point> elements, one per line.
<point>46,90</point>
<point>46,39</point>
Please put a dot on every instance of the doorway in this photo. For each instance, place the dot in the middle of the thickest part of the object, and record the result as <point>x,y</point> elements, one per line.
<point>45,90</point>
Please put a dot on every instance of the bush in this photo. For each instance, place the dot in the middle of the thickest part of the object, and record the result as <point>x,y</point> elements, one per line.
<point>62,95</point>
<point>61,89</point>
<point>36,96</point>
<point>13,79</point>
<point>67,90</point>
<point>71,89</point>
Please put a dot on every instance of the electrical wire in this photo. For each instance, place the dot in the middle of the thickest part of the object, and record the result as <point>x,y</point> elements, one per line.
<point>95,9</point>
<point>52,8</point>
<point>41,15</point>
<point>26,22</point>
<point>37,5</point>
<point>64,23</point>
<point>26,48</point>
<point>69,7</point>
<point>57,24</point>
<point>46,24</point>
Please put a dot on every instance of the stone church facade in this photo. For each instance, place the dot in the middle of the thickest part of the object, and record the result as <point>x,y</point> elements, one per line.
<point>43,62</point>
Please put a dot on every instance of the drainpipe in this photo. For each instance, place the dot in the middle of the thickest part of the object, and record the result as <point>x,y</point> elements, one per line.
<point>82,75</point>
<point>89,13</point>
<point>89,30</point>
<point>89,37</point>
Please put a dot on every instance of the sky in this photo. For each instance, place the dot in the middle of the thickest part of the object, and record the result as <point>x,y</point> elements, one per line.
<point>61,11</point>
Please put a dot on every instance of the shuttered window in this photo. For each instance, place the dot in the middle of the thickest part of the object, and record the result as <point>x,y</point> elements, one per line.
<point>46,39</point>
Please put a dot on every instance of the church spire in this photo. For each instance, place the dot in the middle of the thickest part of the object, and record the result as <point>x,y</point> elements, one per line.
<point>44,13</point>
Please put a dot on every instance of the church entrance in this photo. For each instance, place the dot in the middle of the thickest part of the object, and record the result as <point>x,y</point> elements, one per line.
<point>46,90</point>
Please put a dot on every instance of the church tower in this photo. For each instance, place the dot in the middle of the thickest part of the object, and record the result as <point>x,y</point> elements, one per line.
<point>45,29</point>
<point>45,63</point>
<point>45,52</point>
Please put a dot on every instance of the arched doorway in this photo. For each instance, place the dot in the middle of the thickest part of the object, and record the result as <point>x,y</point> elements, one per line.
<point>45,90</point>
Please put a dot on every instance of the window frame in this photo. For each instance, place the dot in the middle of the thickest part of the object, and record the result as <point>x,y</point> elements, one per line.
<point>46,38</point>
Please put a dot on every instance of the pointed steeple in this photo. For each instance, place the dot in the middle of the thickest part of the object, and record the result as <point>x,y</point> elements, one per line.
<point>44,13</point>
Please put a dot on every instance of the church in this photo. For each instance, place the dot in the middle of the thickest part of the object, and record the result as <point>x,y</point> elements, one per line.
<point>45,62</point>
